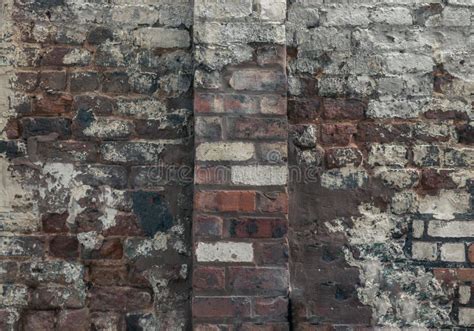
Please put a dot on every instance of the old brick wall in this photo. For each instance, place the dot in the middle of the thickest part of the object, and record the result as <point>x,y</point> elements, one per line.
<point>236,165</point>
<point>96,97</point>
<point>380,97</point>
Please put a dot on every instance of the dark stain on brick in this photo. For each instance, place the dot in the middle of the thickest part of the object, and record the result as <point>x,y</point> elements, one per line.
<point>152,211</point>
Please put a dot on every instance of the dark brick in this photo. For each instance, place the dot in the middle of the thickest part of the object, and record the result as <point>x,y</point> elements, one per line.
<point>99,105</point>
<point>119,299</point>
<point>41,126</point>
<point>74,320</point>
<point>99,35</point>
<point>108,275</point>
<point>84,81</point>
<point>26,81</point>
<point>173,126</point>
<point>38,320</point>
<point>55,223</point>
<point>208,278</point>
<point>67,151</point>
<point>53,80</point>
<point>53,297</point>
<point>466,134</point>
<point>219,307</point>
<point>64,247</point>
<point>337,134</point>
<point>208,226</point>
<point>61,56</point>
<point>272,308</point>
<point>256,228</point>
<point>256,128</point>
<point>343,109</point>
<point>341,157</point>
<point>115,82</point>
<point>258,280</point>
<point>126,224</point>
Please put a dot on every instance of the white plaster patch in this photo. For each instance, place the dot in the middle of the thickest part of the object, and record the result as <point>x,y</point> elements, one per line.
<point>259,175</point>
<point>219,151</point>
<point>445,205</point>
<point>224,252</point>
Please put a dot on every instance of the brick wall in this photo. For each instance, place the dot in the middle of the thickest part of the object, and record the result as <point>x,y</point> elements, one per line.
<point>94,236</point>
<point>380,109</point>
<point>236,165</point>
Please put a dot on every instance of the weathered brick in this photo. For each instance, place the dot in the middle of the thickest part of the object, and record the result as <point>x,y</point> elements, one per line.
<point>341,109</point>
<point>98,175</point>
<point>208,278</point>
<point>63,56</point>
<point>115,82</point>
<point>256,227</point>
<point>74,320</point>
<point>427,251</point>
<point>384,154</point>
<point>219,307</point>
<point>225,151</point>
<point>39,320</point>
<point>84,81</point>
<point>162,38</point>
<point>342,157</point>
<point>26,81</point>
<point>256,128</point>
<point>426,155</point>
<point>272,202</point>
<point>208,226</point>
<point>64,247</point>
<point>119,299</point>
<point>259,175</point>
<point>275,308</point>
<point>53,80</point>
<point>337,134</point>
<point>257,80</point>
<point>21,246</point>
<point>67,151</point>
<point>41,126</point>
<point>249,279</point>
<point>452,229</point>
<point>453,252</point>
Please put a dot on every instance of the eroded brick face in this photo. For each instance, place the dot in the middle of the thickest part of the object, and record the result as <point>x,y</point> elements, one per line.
<point>236,165</point>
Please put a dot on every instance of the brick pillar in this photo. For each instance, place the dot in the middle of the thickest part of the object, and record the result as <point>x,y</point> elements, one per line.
<point>240,273</point>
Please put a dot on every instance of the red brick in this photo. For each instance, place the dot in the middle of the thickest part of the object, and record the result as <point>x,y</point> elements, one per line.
<point>107,321</point>
<point>272,308</point>
<point>221,307</point>
<point>454,275</point>
<point>208,226</point>
<point>337,134</point>
<point>208,103</point>
<point>12,129</point>
<point>273,202</point>
<point>265,327</point>
<point>258,280</point>
<point>119,298</point>
<point>342,109</point>
<point>208,278</point>
<point>225,201</point>
<point>256,228</point>
<point>64,247</point>
<point>53,104</point>
<point>108,275</point>
<point>257,128</point>
<point>84,81</point>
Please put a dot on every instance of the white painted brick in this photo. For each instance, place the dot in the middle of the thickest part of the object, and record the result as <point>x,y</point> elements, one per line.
<point>392,16</point>
<point>464,294</point>
<point>344,178</point>
<point>224,252</point>
<point>453,252</point>
<point>418,228</point>
<point>344,15</point>
<point>445,205</point>
<point>225,151</point>
<point>219,9</point>
<point>456,16</point>
<point>401,63</point>
<point>259,175</point>
<point>466,316</point>
<point>427,251</point>
<point>272,10</point>
<point>162,38</point>
<point>451,229</point>
<point>385,154</point>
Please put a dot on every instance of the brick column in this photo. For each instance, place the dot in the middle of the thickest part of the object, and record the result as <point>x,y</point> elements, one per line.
<point>240,273</point>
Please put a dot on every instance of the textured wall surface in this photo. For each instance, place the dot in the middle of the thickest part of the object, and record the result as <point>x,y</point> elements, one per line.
<point>225,165</point>
<point>94,236</point>
<point>380,99</point>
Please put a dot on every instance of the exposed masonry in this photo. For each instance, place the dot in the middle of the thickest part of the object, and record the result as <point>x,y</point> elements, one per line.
<point>332,147</point>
